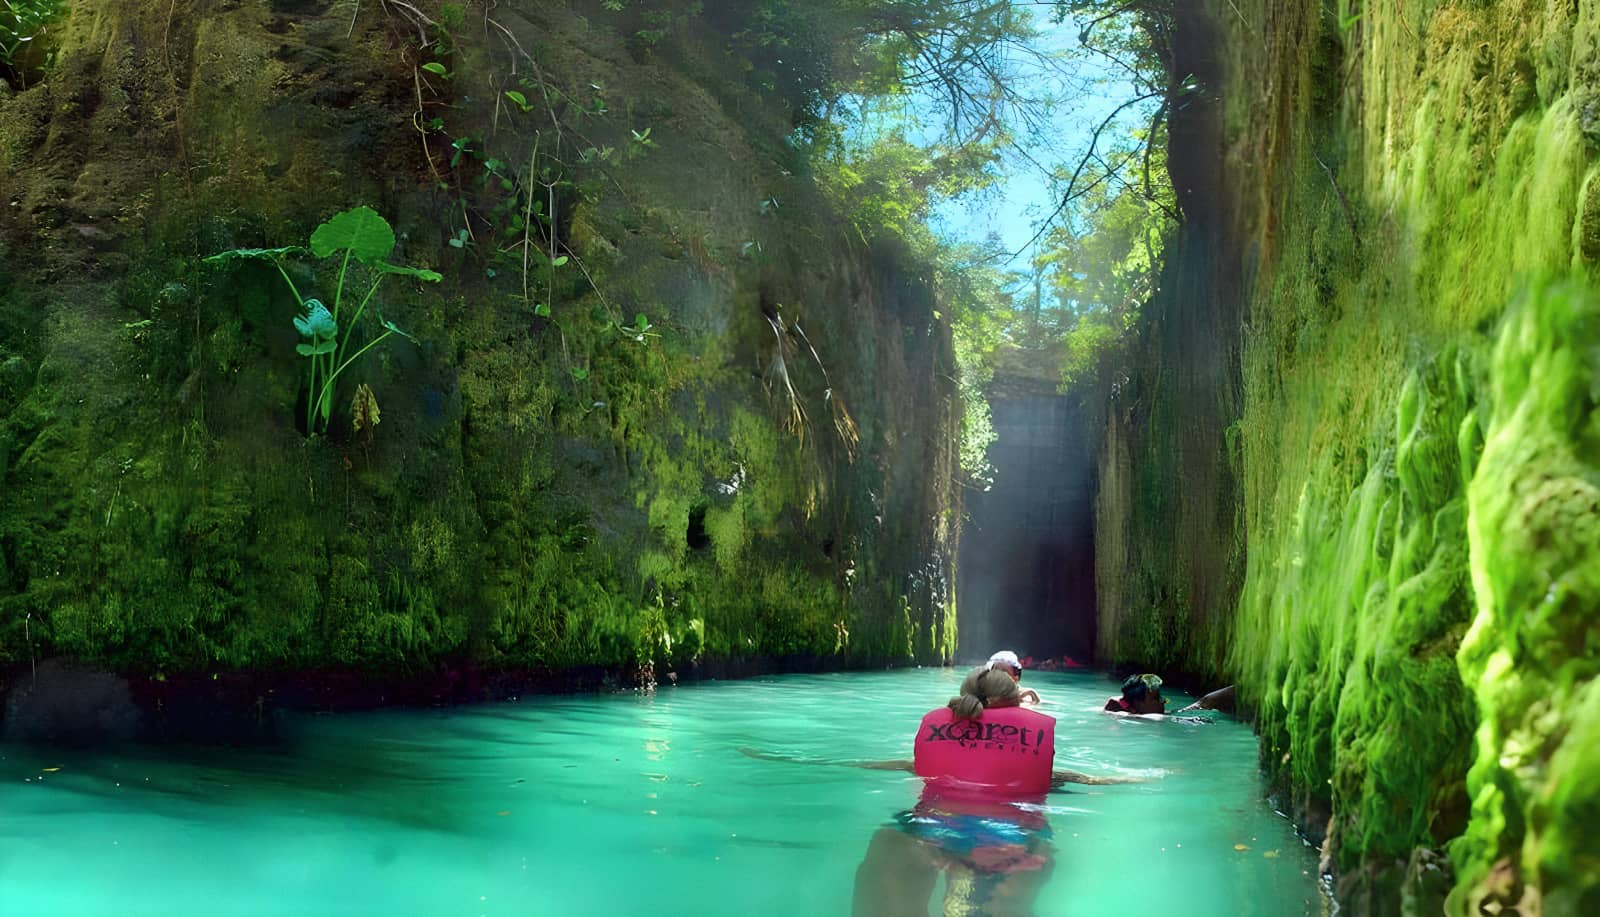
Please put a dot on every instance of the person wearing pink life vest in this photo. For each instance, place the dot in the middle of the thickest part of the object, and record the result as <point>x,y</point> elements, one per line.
<point>986,765</point>
<point>984,739</point>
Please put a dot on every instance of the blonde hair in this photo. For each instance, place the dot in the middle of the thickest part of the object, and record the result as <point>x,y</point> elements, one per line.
<point>984,687</point>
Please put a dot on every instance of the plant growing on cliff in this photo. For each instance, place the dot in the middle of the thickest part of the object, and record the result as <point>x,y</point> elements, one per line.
<point>21,22</point>
<point>359,234</point>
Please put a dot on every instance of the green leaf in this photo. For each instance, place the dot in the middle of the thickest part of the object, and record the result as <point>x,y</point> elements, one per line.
<point>517,97</point>
<point>541,309</point>
<point>303,350</point>
<point>361,230</point>
<point>392,327</point>
<point>268,254</point>
<point>421,273</point>
<point>580,373</point>
<point>640,322</point>
<point>558,261</point>
<point>436,67</point>
<point>317,323</point>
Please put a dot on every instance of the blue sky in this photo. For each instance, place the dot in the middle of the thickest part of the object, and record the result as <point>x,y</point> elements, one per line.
<point>1082,92</point>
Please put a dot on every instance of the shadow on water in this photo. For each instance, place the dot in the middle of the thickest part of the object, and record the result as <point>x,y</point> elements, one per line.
<point>372,767</point>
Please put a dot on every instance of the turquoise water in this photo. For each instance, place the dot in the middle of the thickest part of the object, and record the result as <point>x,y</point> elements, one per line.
<point>626,804</point>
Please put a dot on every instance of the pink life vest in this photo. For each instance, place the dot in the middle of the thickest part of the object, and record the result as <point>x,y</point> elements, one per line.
<point>1009,749</point>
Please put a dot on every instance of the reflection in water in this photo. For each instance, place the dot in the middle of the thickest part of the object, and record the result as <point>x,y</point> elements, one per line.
<point>995,857</point>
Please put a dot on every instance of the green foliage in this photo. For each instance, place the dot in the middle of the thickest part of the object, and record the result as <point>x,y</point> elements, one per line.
<point>1088,345</point>
<point>975,293</point>
<point>1532,656</point>
<point>538,508</point>
<point>22,22</point>
<point>1421,472</point>
<point>360,234</point>
<point>887,187</point>
<point>1104,259</point>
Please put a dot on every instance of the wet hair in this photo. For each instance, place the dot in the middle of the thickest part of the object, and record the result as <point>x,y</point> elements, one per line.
<point>1134,688</point>
<point>984,687</point>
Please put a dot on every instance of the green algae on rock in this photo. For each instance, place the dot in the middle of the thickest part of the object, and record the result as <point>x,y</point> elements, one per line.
<point>1412,196</point>
<point>550,488</point>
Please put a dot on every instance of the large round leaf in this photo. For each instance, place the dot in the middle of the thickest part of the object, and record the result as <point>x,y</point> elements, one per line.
<point>361,230</point>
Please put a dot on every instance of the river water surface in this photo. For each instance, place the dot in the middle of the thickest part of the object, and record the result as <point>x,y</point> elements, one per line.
<point>626,804</point>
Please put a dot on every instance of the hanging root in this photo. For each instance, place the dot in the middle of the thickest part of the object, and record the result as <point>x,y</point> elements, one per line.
<point>792,412</point>
<point>843,424</point>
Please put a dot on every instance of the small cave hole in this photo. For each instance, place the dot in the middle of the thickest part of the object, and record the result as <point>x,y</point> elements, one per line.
<point>696,536</point>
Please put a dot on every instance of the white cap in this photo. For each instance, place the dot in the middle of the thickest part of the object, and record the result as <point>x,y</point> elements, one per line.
<point>1007,659</point>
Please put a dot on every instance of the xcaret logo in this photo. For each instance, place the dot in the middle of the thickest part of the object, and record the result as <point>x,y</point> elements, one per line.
<point>974,733</point>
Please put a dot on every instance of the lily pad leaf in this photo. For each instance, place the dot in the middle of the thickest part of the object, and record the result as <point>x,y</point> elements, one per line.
<point>317,323</point>
<point>421,273</point>
<point>361,230</point>
<point>252,253</point>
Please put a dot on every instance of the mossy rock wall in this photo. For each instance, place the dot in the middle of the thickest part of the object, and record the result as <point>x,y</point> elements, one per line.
<point>1414,201</point>
<point>1168,551</point>
<point>549,485</point>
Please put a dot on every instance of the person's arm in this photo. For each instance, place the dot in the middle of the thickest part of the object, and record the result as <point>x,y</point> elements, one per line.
<point>1029,696</point>
<point>1057,778</point>
<point>1222,698</point>
<point>909,767</point>
<point>1060,777</point>
<point>896,765</point>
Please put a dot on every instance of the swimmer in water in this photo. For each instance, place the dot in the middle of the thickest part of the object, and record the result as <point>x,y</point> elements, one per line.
<point>1141,696</point>
<point>1007,661</point>
<point>983,688</point>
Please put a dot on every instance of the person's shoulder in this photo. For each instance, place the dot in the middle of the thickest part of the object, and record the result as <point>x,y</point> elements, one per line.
<point>1035,716</point>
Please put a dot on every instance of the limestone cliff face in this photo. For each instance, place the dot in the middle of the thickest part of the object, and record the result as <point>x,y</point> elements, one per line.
<point>660,411</point>
<point>1412,209</point>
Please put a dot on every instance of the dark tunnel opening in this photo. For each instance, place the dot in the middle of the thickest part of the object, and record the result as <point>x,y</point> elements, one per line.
<point>1026,564</point>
